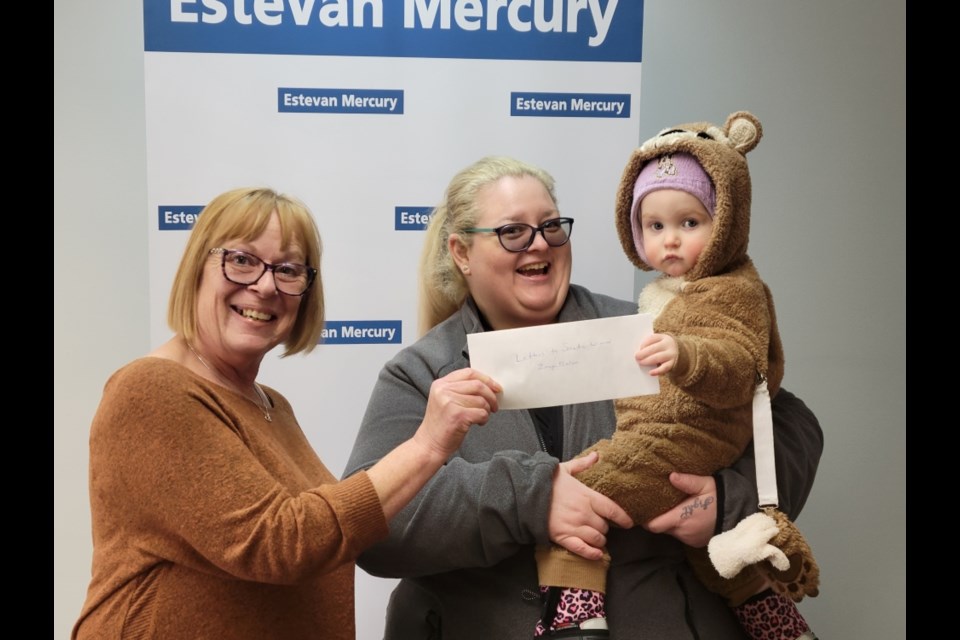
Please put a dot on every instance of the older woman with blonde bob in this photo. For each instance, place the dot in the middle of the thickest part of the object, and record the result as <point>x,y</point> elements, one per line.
<point>212,515</point>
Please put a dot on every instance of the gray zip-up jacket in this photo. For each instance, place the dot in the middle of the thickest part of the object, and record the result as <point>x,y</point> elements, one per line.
<point>463,547</point>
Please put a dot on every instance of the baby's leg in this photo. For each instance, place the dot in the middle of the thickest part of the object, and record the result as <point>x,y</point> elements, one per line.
<point>633,470</point>
<point>773,616</point>
<point>763,613</point>
<point>572,589</point>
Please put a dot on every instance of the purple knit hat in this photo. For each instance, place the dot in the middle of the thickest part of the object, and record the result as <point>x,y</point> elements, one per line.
<point>679,171</point>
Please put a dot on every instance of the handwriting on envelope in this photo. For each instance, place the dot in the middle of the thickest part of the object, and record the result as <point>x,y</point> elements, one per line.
<point>565,363</point>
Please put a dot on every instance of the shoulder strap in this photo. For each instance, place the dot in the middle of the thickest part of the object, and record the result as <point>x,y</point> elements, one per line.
<point>763,447</point>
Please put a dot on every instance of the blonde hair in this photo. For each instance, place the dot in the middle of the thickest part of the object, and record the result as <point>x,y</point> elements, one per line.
<point>442,287</point>
<point>243,214</point>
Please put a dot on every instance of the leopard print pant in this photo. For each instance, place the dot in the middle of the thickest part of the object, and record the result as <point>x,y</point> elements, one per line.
<point>574,606</point>
<point>772,617</point>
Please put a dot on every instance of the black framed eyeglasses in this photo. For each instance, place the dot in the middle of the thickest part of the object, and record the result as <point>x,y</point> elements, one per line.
<point>517,236</point>
<point>240,267</point>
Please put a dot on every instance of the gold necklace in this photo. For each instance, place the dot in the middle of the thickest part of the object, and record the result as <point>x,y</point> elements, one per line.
<point>264,401</point>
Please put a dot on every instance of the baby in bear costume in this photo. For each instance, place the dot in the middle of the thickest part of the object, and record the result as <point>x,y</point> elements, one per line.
<point>683,208</point>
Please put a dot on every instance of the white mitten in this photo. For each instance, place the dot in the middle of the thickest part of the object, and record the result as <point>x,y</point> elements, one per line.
<point>746,544</point>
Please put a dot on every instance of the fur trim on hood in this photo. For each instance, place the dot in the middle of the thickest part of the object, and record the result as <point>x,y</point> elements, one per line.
<point>722,154</point>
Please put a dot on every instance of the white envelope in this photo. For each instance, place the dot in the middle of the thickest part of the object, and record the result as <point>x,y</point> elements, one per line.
<point>567,362</point>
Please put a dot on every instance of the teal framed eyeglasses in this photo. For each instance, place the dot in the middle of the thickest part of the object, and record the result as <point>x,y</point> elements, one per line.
<point>518,237</point>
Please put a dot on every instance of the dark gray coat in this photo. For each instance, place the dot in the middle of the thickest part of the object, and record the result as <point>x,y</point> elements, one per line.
<point>464,547</point>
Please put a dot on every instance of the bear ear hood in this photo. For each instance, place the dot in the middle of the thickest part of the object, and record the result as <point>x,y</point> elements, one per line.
<point>721,152</point>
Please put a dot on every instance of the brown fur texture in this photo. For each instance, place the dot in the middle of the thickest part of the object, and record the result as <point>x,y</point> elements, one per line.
<point>803,576</point>
<point>722,154</point>
<point>722,317</point>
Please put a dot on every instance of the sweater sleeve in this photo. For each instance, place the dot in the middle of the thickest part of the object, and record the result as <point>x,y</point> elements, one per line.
<point>176,471</point>
<point>722,335</point>
<point>471,513</point>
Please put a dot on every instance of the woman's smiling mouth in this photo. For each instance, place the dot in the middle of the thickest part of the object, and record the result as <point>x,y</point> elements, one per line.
<point>253,314</point>
<point>534,269</point>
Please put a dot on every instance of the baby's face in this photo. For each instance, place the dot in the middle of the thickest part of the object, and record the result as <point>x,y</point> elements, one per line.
<point>676,227</point>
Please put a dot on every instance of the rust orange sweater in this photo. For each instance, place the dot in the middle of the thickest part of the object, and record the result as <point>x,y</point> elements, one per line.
<point>210,522</point>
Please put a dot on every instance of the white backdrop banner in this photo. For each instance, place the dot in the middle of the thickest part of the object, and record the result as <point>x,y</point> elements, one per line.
<point>364,110</point>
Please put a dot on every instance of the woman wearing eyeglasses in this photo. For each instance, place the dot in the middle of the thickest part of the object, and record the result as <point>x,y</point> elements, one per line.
<point>212,516</point>
<point>498,256</point>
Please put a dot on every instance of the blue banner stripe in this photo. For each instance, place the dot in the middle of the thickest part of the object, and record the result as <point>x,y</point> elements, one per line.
<point>362,332</point>
<point>411,218</point>
<point>177,217</point>
<point>584,30</point>
<point>570,105</point>
<point>314,100</point>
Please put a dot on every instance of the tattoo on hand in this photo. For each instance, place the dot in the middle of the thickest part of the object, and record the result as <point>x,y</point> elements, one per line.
<point>697,503</point>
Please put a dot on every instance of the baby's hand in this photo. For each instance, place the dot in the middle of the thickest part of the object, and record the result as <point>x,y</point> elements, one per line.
<point>659,351</point>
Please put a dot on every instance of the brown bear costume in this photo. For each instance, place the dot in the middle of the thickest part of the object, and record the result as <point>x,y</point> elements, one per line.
<point>722,316</point>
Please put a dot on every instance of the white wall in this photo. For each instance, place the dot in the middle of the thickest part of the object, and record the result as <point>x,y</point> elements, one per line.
<point>100,253</point>
<point>828,82</point>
